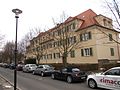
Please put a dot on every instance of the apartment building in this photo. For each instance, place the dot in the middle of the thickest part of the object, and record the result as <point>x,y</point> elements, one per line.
<point>90,38</point>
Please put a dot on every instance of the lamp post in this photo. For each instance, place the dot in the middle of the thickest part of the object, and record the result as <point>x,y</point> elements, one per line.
<point>17,12</point>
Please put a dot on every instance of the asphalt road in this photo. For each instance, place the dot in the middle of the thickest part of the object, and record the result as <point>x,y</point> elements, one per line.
<point>27,81</point>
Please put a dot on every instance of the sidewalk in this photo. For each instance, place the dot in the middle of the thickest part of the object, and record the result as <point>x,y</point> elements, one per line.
<point>5,85</point>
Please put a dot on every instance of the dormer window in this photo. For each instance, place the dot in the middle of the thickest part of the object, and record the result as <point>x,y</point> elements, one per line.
<point>73,25</point>
<point>104,21</point>
<point>110,37</point>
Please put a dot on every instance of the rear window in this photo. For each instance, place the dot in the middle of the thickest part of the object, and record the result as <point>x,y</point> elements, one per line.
<point>33,65</point>
<point>46,66</point>
<point>75,70</point>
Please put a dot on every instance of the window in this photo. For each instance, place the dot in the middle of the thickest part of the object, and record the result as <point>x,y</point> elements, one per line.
<point>36,41</point>
<point>85,36</point>
<point>44,56</point>
<point>86,52</point>
<point>55,44</point>
<point>72,54</point>
<point>113,72</point>
<point>104,21</point>
<point>72,40</point>
<point>59,32</point>
<point>110,37</point>
<point>73,25</point>
<point>112,51</point>
<point>37,49</point>
<point>56,55</point>
<point>49,56</point>
<point>44,47</point>
<point>40,66</point>
<point>33,49</point>
<point>50,45</point>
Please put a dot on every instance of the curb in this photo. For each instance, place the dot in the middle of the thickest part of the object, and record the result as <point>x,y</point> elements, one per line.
<point>9,82</point>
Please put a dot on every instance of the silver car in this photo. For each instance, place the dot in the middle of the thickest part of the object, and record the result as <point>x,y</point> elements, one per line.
<point>29,67</point>
<point>43,70</point>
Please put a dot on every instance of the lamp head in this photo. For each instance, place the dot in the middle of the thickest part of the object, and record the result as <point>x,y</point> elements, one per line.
<point>17,11</point>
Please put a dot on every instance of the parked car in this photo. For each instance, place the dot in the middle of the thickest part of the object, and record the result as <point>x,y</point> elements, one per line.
<point>12,66</point>
<point>43,70</point>
<point>1,64</point>
<point>5,65</point>
<point>29,67</point>
<point>109,79</point>
<point>20,67</point>
<point>69,74</point>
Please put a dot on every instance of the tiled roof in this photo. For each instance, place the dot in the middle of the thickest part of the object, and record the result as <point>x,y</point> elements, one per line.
<point>87,17</point>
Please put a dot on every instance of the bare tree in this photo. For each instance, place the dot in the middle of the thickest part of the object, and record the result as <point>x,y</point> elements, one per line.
<point>26,40</point>
<point>1,40</point>
<point>64,37</point>
<point>39,51</point>
<point>114,7</point>
<point>8,52</point>
<point>1,58</point>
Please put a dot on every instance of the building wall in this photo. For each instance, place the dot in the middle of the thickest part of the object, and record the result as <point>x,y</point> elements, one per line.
<point>92,50</point>
<point>103,44</point>
<point>99,43</point>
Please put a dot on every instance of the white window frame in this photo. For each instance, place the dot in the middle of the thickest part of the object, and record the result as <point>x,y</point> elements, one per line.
<point>87,52</point>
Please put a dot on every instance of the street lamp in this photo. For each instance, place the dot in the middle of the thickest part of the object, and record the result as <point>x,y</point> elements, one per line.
<point>17,12</point>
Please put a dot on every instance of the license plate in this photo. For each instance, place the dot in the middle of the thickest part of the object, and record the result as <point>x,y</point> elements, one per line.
<point>82,77</point>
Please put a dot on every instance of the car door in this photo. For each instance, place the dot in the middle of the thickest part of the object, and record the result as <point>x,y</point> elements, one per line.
<point>113,78</point>
<point>37,70</point>
<point>63,73</point>
<point>40,69</point>
<point>110,79</point>
<point>27,68</point>
<point>59,74</point>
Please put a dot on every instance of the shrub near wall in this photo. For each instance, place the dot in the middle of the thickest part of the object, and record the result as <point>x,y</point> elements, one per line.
<point>109,65</point>
<point>30,61</point>
<point>85,67</point>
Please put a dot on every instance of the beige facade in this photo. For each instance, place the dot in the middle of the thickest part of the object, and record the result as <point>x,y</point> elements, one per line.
<point>96,36</point>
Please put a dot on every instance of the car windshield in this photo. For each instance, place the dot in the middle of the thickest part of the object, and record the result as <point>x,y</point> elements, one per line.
<point>47,66</point>
<point>33,65</point>
<point>75,70</point>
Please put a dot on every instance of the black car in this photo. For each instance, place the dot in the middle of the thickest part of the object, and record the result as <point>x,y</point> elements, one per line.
<point>19,67</point>
<point>12,66</point>
<point>69,74</point>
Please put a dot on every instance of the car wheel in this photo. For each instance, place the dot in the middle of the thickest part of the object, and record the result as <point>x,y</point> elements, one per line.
<point>53,76</point>
<point>92,83</point>
<point>42,74</point>
<point>69,79</point>
<point>27,70</point>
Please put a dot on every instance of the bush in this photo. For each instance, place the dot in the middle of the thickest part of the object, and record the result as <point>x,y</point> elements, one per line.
<point>30,61</point>
<point>109,65</point>
<point>85,67</point>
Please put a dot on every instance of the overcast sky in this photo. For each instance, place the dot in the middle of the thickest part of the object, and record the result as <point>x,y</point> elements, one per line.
<point>39,14</point>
